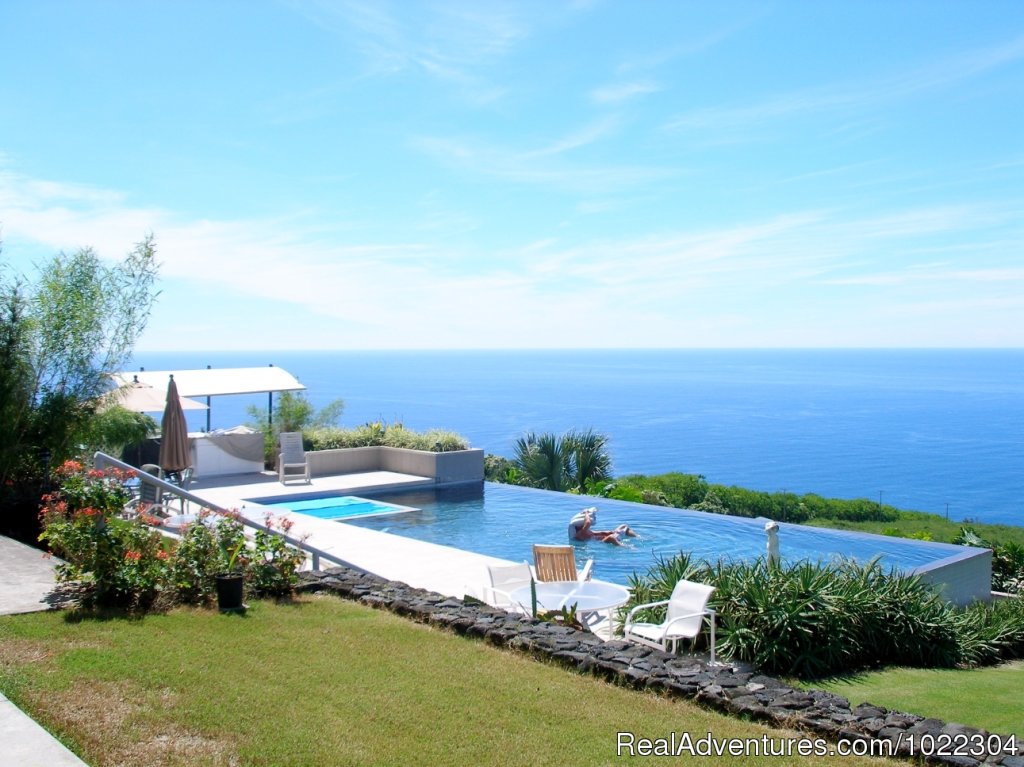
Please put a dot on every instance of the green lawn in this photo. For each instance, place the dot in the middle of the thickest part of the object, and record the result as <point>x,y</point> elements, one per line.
<point>986,697</point>
<point>323,682</point>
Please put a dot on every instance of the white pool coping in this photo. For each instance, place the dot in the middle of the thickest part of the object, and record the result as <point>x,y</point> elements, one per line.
<point>443,569</point>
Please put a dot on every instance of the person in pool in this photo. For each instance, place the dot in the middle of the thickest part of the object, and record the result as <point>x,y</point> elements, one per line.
<point>581,528</point>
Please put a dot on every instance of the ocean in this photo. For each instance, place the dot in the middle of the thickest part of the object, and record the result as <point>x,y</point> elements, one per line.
<point>940,431</point>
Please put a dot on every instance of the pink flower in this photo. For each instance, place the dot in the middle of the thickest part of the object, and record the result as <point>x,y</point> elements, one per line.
<point>132,556</point>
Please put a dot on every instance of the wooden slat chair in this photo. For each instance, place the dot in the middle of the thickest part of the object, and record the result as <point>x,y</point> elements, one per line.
<point>558,563</point>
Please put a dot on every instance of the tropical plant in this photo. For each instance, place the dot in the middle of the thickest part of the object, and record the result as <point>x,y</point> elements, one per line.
<point>810,620</point>
<point>544,461</point>
<point>577,461</point>
<point>112,428</point>
<point>1007,560</point>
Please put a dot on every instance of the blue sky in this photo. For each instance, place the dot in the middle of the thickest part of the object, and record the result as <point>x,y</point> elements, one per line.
<point>535,174</point>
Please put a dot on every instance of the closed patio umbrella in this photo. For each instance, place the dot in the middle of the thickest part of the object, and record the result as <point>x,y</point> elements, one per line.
<point>175,455</point>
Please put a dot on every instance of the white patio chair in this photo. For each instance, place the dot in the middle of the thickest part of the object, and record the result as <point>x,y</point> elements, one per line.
<point>291,461</point>
<point>504,579</point>
<point>684,618</point>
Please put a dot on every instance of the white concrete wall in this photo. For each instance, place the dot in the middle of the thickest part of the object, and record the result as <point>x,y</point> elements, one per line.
<point>444,468</point>
<point>962,579</point>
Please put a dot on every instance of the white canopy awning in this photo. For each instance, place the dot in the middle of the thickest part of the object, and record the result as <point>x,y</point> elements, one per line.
<point>213,382</point>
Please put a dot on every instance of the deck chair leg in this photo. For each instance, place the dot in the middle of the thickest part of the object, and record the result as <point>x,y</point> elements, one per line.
<point>712,638</point>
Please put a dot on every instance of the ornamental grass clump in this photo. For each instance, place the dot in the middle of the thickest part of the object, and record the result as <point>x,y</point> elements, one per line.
<point>811,620</point>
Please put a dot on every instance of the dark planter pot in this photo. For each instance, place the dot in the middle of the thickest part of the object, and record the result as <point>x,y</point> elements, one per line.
<point>229,591</point>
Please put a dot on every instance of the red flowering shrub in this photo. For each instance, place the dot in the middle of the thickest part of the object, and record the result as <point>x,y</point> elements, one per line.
<point>119,563</point>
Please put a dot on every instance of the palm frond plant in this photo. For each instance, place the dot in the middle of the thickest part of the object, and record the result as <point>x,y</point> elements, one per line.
<point>544,460</point>
<point>577,461</point>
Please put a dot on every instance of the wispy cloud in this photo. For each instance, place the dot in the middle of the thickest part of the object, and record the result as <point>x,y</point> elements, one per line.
<point>549,164</point>
<point>618,93</point>
<point>917,274</point>
<point>746,283</point>
<point>738,119</point>
<point>450,42</point>
<point>690,46</point>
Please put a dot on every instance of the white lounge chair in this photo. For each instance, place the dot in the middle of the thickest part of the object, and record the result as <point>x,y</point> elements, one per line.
<point>291,461</point>
<point>684,618</point>
<point>558,563</point>
<point>504,579</point>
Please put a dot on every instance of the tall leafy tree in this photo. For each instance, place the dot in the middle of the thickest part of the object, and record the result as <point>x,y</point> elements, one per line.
<point>60,337</point>
<point>292,412</point>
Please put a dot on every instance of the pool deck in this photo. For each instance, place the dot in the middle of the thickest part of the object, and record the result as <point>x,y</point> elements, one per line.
<point>446,570</point>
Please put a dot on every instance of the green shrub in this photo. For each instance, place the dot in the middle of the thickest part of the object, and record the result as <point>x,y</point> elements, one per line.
<point>197,560</point>
<point>127,563</point>
<point>119,563</point>
<point>272,564</point>
<point>269,566</point>
<point>378,434</point>
<point>692,491</point>
<point>811,620</point>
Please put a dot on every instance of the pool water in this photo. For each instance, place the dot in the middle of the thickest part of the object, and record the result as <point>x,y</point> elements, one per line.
<point>344,507</point>
<point>505,521</point>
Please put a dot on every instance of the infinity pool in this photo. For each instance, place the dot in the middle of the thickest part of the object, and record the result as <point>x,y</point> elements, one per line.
<point>505,521</point>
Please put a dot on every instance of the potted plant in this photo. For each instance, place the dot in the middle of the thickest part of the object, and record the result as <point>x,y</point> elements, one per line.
<point>230,581</point>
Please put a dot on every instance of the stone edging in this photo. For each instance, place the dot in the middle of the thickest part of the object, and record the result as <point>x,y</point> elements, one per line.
<point>722,688</point>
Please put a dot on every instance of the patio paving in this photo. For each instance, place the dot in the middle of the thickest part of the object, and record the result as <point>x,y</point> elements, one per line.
<point>443,569</point>
<point>29,580</point>
<point>28,586</point>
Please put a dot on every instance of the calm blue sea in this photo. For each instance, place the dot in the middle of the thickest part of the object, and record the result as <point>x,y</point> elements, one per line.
<point>938,431</point>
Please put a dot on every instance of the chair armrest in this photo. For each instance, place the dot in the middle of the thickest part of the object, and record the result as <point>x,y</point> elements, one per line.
<point>496,592</point>
<point>587,571</point>
<point>636,609</point>
<point>702,613</point>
